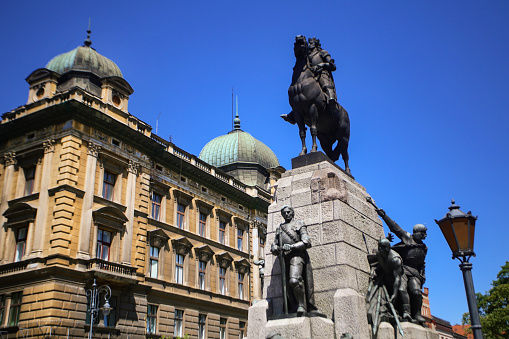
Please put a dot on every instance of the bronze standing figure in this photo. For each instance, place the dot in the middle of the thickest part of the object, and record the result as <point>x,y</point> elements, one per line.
<point>291,243</point>
<point>312,96</point>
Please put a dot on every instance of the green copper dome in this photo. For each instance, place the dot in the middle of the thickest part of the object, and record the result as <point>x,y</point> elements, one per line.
<point>84,58</point>
<point>238,146</point>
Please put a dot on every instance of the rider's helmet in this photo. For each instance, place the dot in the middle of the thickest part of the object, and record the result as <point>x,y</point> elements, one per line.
<point>315,41</point>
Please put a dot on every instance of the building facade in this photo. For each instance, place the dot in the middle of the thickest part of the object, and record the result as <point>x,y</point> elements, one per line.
<point>88,194</point>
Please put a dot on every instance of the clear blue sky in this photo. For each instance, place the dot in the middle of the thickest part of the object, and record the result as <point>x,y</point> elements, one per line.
<point>426,84</point>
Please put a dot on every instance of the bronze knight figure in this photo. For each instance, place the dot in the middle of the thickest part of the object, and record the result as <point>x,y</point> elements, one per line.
<point>312,96</point>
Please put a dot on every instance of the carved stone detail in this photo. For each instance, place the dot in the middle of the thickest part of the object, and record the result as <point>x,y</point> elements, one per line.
<point>101,136</point>
<point>326,186</point>
<point>133,167</point>
<point>128,148</point>
<point>93,149</point>
<point>10,159</point>
<point>49,146</point>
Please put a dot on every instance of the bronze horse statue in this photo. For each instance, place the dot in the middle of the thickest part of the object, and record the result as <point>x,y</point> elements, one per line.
<point>328,121</point>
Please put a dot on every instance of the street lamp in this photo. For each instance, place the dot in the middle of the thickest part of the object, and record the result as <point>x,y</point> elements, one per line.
<point>93,294</point>
<point>458,229</point>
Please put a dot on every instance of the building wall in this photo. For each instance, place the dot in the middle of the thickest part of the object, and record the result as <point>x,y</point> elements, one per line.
<point>72,144</point>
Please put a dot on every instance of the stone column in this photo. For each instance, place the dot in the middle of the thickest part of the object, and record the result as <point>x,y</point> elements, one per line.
<point>42,211</point>
<point>257,287</point>
<point>10,162</point>
<point>88,201</point>
<point>127,243</point>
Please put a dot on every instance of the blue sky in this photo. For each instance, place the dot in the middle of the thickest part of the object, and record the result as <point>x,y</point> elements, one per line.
<point>425,83</point>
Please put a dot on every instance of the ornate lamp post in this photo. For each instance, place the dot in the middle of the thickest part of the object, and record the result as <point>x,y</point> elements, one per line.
<point>458,229</point>
<point>93,295</point>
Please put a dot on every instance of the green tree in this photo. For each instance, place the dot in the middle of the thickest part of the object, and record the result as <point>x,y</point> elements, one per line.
<point>493,307</point>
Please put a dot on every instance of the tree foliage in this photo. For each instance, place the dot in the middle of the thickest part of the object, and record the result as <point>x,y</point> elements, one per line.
<point>493,307</point>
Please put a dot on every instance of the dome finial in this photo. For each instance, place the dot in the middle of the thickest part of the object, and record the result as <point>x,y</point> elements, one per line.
<point>236,121</point>
<point>88,42</point>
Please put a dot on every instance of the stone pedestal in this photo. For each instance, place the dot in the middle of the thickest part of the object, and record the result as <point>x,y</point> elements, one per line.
<point>343,228</point>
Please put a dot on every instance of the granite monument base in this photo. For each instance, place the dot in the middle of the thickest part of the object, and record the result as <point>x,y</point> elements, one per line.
<point>343,229</point>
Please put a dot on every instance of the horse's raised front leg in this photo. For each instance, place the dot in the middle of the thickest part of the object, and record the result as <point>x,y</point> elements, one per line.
<point>314,116</point>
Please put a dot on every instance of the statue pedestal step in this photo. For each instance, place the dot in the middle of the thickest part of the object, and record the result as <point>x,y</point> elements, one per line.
<point>301,327</point>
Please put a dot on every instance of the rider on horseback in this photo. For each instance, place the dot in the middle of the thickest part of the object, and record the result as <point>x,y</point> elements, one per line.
<point>322,66</point>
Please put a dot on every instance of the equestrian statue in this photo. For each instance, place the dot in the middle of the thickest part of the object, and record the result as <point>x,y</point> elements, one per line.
<point>313,99</point>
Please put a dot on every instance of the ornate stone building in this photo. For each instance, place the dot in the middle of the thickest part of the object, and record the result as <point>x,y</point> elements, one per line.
<point>87,192</point>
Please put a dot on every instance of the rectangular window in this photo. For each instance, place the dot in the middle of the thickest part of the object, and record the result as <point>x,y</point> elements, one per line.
<point>179,319</point>
<point>108,185</point>
<point>14,309</point>
<point>241,285</point>
<point>242,329</point>
<point>156,206</point>
<point>154,261</point>
<point>202,270</point>
<point>151,318</point>
<point>240,239</point>
<point>202,323</point>
<point>103,244</point>
<point>222,280</point>
<point>179,269</point>
<point>181,213</point>
<point>29,180</point>
<point>262,248</point>
<point>222,232</point>
<point>21,242</point>
<point>222,328</point>
<point>202,224</point>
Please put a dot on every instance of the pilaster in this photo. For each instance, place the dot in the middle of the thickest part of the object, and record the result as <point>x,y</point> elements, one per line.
<point>88,201</point>
<point>42,211</point>
<point>10,162</point>
<point>132,171</point>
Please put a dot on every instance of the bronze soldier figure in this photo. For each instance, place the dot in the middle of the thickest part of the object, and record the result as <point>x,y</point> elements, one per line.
<point>413,252</point>
<point>386,283</point>
<point>291,242</point>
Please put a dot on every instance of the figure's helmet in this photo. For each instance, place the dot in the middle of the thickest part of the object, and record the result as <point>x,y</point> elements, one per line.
<point>420,228</point>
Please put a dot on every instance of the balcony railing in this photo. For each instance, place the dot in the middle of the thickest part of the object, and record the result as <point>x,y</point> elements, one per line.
<point>115,269</point>
<point>13,267</point>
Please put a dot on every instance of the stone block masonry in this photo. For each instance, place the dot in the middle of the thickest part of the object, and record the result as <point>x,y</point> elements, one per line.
<point>342,227</point>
